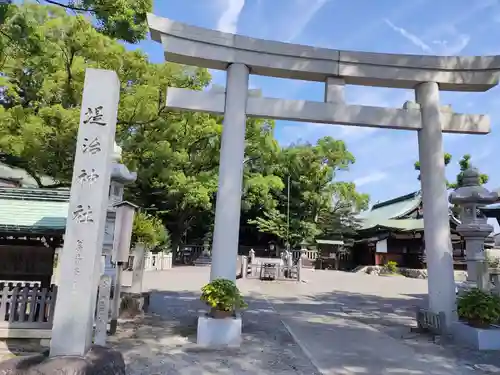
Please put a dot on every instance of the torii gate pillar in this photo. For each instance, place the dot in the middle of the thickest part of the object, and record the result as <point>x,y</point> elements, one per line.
<point>439,252</point>
<point>232,154</point>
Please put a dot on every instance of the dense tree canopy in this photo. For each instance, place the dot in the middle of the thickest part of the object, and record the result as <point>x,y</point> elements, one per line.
<point>150,231</point>
<point>44,53</point>
<point>118,19</point>
<point>317,204</point>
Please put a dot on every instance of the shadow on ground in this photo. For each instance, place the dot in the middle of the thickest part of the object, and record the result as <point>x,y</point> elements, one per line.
<point>164,340</point>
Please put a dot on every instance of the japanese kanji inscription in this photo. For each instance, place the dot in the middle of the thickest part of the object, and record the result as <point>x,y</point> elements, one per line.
<point>94,116</point>
<point>92,147</point>
<point>88,176</point>
<point>83,214</point>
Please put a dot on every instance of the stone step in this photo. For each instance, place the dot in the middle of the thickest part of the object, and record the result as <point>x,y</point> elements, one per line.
<point>203,261</point>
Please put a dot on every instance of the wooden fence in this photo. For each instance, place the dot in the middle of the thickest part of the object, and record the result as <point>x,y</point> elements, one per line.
<point>25,306</point>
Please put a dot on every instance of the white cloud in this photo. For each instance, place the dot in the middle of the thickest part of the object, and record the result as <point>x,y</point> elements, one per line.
<point>370,178</point>
<point>409,36</point>
<point>305,12</point>
<point>228,21</point>
<point>454,46</point>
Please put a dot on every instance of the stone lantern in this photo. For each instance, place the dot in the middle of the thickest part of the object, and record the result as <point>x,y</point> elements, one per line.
<point>474,226</point>
<point>120,176</point>
<point>205,258</point>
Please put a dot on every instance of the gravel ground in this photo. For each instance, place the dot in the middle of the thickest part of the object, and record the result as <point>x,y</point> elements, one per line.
<point>163,342</point>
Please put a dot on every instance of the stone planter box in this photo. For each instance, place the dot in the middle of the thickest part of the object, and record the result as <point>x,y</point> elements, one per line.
<point>477,338</point>
<point>219,332</point>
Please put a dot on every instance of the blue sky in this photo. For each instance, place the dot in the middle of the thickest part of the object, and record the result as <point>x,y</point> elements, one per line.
<point>384,158</point>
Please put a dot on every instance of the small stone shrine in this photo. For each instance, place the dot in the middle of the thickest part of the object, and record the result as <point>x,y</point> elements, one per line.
<point>471,196</point>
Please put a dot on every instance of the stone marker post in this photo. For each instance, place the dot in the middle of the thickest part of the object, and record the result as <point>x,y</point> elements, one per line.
<point>102,317</point>
<point>80,258</point>
<point>474,226</point>
<point>244,267</point>
<point>252,256</point>
<point>303,250</point>
<point>138,268</point>
<point>299,270</point>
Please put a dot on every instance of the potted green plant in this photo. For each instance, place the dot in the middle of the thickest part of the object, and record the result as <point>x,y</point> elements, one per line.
<point>223,297</point>
<point>478,308</point>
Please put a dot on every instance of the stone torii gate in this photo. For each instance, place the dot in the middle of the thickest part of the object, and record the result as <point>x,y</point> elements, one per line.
<point>427,75</point>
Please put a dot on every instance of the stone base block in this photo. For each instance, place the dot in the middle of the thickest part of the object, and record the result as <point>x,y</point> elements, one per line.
<point>477,338</point>
<point>219,332</point>
<point>133,304</point>
<point>98,361</point>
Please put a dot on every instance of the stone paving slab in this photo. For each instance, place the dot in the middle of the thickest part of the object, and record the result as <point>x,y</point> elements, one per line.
<point>346,346</point>
<point>335,309</point>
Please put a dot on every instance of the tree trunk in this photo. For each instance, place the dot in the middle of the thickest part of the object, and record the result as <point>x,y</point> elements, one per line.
<point>176,241</point>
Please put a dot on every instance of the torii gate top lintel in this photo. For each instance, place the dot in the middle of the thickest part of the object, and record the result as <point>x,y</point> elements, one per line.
<point>213,49</point>
<point>192,45</point>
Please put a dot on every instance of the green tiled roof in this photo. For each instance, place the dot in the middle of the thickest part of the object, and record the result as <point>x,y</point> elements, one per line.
<point>389,214</point>
<point>34,210</point>
<point>396,224</point>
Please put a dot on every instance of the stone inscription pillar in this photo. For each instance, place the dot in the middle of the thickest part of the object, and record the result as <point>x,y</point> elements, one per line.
<point>138,268</point>
<point>228,205</point>
<point>80,258</point>
<point>435,203</point>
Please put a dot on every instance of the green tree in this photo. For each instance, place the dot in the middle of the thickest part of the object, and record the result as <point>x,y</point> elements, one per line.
<point>118,19</point>
<point>464,163</point>
<point>150,230</point>
<point>317,203</point>
<point>340,219</point>
<point>447,160</point>
<point>178,169</point>
<point>41,86</point>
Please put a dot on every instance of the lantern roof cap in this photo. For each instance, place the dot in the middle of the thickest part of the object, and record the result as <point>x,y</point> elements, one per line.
<point>471,191</point>
<point>126,203</point>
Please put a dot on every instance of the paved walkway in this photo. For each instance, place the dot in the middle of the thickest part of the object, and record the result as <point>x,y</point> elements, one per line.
<point>336,323</point>
<point>345,331</point>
